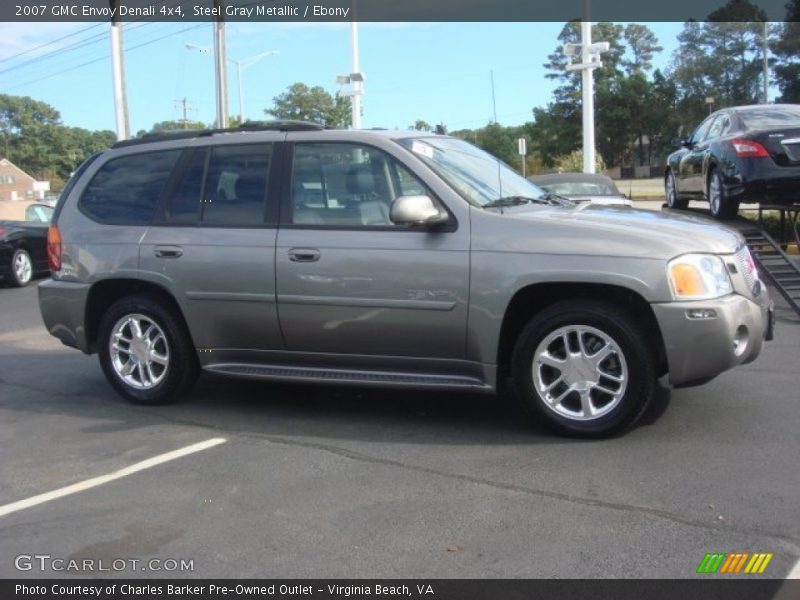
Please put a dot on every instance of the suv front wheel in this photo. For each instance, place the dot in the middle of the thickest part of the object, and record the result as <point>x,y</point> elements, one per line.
<point>584,368</point>
<point>145,351</point>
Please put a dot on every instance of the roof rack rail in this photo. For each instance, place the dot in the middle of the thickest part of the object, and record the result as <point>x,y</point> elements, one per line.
<point>247,126</point>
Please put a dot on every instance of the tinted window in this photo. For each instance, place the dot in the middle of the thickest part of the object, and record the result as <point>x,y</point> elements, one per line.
<point>125,191</point>
<point>38,213</point>
<point>719,127</point>
<point>346,185</point>
<point>701,132</point>
<point>184,205</point>
<point>222,186</point>
<point>769,117</point>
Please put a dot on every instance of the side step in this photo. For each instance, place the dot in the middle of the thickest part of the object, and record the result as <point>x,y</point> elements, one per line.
<point>776,265</point>
<point>347,377</point>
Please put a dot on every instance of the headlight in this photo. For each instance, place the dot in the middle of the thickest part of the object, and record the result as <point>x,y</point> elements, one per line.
<point>698,277</point>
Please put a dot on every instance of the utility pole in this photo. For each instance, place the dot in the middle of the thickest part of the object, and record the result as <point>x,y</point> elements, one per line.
<point>118,77</point>
<point>355,68</point>
<point>588,92</point>
<point>494,101</point>
<point>184,103</point>
<point>220,71</point>
<point>766,62</point>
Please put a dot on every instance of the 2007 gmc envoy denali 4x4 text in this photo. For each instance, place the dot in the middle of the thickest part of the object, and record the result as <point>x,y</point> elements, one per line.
<point>287,252</point>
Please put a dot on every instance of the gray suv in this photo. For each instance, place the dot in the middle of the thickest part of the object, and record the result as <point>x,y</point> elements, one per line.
<point>286,252</point>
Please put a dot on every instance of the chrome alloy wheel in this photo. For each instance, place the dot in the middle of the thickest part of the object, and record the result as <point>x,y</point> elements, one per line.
<point>580,372</point>
<point>23,268</point>
<point>715,194</point>
<point>139,351</point>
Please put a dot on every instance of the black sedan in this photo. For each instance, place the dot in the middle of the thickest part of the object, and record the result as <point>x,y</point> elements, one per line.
<point>23,240</point>
<point>747,154</point>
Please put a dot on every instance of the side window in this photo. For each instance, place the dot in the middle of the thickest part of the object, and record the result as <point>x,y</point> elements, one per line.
<point>347,185</point>
<point>38,213</point>
<point>222,186</point>
<point>125,191</point>
<point>702,132</point>
<point>720,127</point>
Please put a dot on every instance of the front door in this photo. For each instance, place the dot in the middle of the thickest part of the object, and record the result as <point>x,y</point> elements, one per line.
<point>351,282</point>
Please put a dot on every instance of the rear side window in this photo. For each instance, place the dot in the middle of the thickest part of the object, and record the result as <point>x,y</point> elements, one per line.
<point>223,186</point>
<point>125,191</point>
<point>771,117</point>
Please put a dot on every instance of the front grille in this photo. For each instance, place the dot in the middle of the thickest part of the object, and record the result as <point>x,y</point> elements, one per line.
<point>745,263</point>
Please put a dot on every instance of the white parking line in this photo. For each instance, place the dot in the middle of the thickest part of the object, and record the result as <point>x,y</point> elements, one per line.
<point>795,572</point>
<point>95,481</point>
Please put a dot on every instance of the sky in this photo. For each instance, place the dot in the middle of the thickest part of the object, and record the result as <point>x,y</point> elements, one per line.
<point>437,72</point>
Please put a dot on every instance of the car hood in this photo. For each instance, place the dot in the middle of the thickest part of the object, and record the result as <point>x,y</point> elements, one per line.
<point>601,230</point>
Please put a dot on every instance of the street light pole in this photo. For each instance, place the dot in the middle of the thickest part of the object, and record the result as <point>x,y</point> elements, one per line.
<point>118,76</point>
<point>588,92</point>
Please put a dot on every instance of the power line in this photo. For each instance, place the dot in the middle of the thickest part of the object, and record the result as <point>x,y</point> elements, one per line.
<point>105,57</point>
<point>51,42</point>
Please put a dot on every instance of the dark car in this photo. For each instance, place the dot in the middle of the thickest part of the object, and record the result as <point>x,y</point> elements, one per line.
<point>745,154</point>
<point>586,187</point>
<point>23,240</point>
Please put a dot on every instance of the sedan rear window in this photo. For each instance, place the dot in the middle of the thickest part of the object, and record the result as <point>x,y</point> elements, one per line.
<point>771,117</point>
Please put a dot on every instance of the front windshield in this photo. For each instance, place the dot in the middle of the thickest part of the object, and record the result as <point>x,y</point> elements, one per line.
<point>476,175</point>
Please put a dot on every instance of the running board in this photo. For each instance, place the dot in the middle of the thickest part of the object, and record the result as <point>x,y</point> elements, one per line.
<point>347,377</point>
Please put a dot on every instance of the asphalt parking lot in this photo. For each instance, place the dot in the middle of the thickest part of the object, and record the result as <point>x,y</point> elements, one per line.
<point>327,482</point>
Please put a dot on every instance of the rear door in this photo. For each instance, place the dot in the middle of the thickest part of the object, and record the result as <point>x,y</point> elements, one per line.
<point>691,165</point>
<point>213,246</point>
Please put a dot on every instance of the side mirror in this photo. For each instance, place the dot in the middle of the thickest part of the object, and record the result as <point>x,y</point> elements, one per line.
<point>416,210</point>
<point>687,144</point>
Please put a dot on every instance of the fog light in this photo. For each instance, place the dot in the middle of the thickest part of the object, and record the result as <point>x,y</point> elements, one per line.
<point>701,313</point>
<point>740,340</point>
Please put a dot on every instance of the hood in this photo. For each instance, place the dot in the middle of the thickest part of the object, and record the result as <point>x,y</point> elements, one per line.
<point>601,230</point>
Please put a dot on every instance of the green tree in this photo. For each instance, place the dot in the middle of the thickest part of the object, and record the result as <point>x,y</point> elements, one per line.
<point>303,103</point>
<point>420,125</point>
<point>721,59</point>
<point>643,45</point>
<point>177,125</point>
<point>787,49</point>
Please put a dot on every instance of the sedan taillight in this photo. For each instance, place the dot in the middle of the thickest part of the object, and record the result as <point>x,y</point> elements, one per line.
<point>54,248</point>
<point>749,149</point>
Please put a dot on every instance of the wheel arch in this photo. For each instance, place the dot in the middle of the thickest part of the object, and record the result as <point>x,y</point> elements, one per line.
<point>531,299</point>
<point>106,292</point>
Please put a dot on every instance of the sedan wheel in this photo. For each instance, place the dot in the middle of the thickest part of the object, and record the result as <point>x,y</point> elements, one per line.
<point>674,201</point>
<point>721,206</point>
<point>21,268</point>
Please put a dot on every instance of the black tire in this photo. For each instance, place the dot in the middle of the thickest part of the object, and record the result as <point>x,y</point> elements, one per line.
<point>14,277</point>
<point>725,209</point>
<point>183,367</point>
<point>628,337</point>
<point>674,200</point>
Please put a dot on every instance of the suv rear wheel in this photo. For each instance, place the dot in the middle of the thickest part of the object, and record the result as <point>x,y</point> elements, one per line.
<point>146,352</point>
<point>584,368</point>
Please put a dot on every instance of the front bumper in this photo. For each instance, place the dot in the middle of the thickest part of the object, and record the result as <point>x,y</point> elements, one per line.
<point>63,308</point>
<point>699,349</point>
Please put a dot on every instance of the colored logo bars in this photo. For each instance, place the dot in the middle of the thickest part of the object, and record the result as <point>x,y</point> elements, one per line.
<point>735,562</point>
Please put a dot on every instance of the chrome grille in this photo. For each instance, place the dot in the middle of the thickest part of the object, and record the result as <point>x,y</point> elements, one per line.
<point>746,264</point>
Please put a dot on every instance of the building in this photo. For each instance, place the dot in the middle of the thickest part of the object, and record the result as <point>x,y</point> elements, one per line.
<point>16,184</point>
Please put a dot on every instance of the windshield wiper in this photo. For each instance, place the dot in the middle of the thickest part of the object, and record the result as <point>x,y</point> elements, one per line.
<point>558,199</point>
<point>513,201</point>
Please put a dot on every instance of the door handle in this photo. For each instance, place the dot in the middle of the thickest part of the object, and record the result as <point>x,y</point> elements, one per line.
<point>168,251</point>
<point>304,255</point>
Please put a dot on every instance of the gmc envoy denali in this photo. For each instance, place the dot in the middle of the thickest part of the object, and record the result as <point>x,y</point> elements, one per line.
<point>287,252</point>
